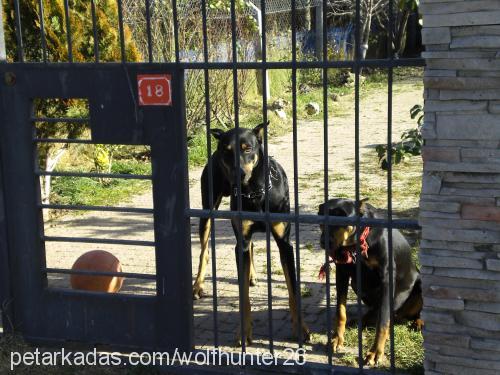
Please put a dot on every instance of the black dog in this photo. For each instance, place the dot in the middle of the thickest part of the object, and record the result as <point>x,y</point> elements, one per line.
<point>374,273</point>
<point>253,177</point>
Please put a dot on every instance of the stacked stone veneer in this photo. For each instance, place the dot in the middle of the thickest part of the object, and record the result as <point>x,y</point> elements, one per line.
<point>460,202</point>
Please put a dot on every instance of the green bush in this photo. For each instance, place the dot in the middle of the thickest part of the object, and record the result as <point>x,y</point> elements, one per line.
<point>410,144</point>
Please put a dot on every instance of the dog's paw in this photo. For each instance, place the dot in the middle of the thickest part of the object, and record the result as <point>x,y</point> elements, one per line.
<point>248,336</point>
<point>337,343</point>
<point>198,291</point>
<point>374,358</point>
<point>306,332</point>
<point>417,325</point>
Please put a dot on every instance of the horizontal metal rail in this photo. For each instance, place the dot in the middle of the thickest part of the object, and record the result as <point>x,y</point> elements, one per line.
<point>369,63</point>
<point>75,120</point>
<point>62,140</point>
<point>94,175</point>
<point>134,210</point>
<point>65,271</point>
<point>125,297</point>
<point>97,240</point>
<point>303,218</point>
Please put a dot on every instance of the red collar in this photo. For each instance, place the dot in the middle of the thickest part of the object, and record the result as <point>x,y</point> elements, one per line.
<point>349,253</point>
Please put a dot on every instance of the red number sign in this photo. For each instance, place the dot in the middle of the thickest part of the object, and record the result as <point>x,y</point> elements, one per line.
<point>154,89</point>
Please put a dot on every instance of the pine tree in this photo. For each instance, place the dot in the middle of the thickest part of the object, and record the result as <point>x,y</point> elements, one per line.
<point>82,38</point>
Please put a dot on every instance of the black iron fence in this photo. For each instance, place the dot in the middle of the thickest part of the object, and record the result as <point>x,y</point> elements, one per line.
<point>296,218</point>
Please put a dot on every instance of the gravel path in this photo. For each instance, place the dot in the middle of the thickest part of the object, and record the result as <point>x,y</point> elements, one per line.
<point>373,130</point>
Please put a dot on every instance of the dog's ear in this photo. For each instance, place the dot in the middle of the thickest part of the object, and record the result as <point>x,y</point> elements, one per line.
<point>259,131</point>
<point>217,133</point>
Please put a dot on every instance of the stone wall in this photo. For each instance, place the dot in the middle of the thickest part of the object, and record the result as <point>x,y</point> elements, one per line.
<point>460,202</point>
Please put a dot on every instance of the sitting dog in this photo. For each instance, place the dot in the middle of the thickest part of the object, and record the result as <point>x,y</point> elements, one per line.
<point>253,177</point>
<point>374,260</point>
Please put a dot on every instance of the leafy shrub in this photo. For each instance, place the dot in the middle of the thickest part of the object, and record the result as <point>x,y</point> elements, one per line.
<point>130,167</point>
<point>410,144</point>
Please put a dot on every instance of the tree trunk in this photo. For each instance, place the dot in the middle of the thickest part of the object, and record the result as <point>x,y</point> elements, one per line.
<point>50,164</point>
<point>366,29</point>
<point>400,34</point>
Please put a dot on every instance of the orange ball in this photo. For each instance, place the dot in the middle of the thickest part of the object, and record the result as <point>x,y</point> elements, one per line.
<point>98,261</point>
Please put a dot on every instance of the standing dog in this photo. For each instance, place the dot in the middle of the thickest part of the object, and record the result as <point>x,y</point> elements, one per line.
<point>375,260</point>
<point>253,177</point>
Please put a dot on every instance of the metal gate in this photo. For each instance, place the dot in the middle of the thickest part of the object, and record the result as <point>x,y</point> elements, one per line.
<point>162,321</point>
<point>48,314</point>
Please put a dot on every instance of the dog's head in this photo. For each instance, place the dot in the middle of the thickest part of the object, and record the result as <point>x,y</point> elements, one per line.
<point>250,151</point>
<point>340,236</point>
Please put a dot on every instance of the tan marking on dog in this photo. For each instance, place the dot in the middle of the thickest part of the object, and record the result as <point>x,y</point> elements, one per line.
<point>377,352</point>
<point>247,309</point>
<point>246,228</point>
<point>381,338</point>
<point>248,167</point>
<point>372,262</point>
<point>279,228</point>
<point>253,273</point>
<point>342,236</point>
<point>292,303</point>
<point>204,254</point>
<point>341,316</point>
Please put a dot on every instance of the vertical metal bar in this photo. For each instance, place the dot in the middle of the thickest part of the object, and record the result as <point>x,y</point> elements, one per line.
<point>389,185</point>
<point>298,296</point>
<point>238,176</point>
<point>94,30</point>
<point>68,31</point>
<point>325,181</point>
<point>176,31</point>
<point>42,30</point>
<point>6,303</point>
<point>266,183</point>
<point>356,178</point>
<point>19,36</point>
<point>121,30</point>
<point>148,31</point>
<point>210,172</point>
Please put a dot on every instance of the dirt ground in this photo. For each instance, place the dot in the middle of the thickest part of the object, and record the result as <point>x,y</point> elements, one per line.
<point>373,130</point>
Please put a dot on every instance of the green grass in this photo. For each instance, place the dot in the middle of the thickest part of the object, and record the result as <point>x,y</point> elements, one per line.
<point>101,192</point>
<point>406,184</point>
<point>408,348</point>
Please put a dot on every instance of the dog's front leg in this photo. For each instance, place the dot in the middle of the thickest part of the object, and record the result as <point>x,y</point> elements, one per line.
<point>376,353</point>
<point>253,273</point>
<point>204,232</point>
<point>281,233</point>
<point>244,277</point>
<point>244,280</point>
<point>342,284</point>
